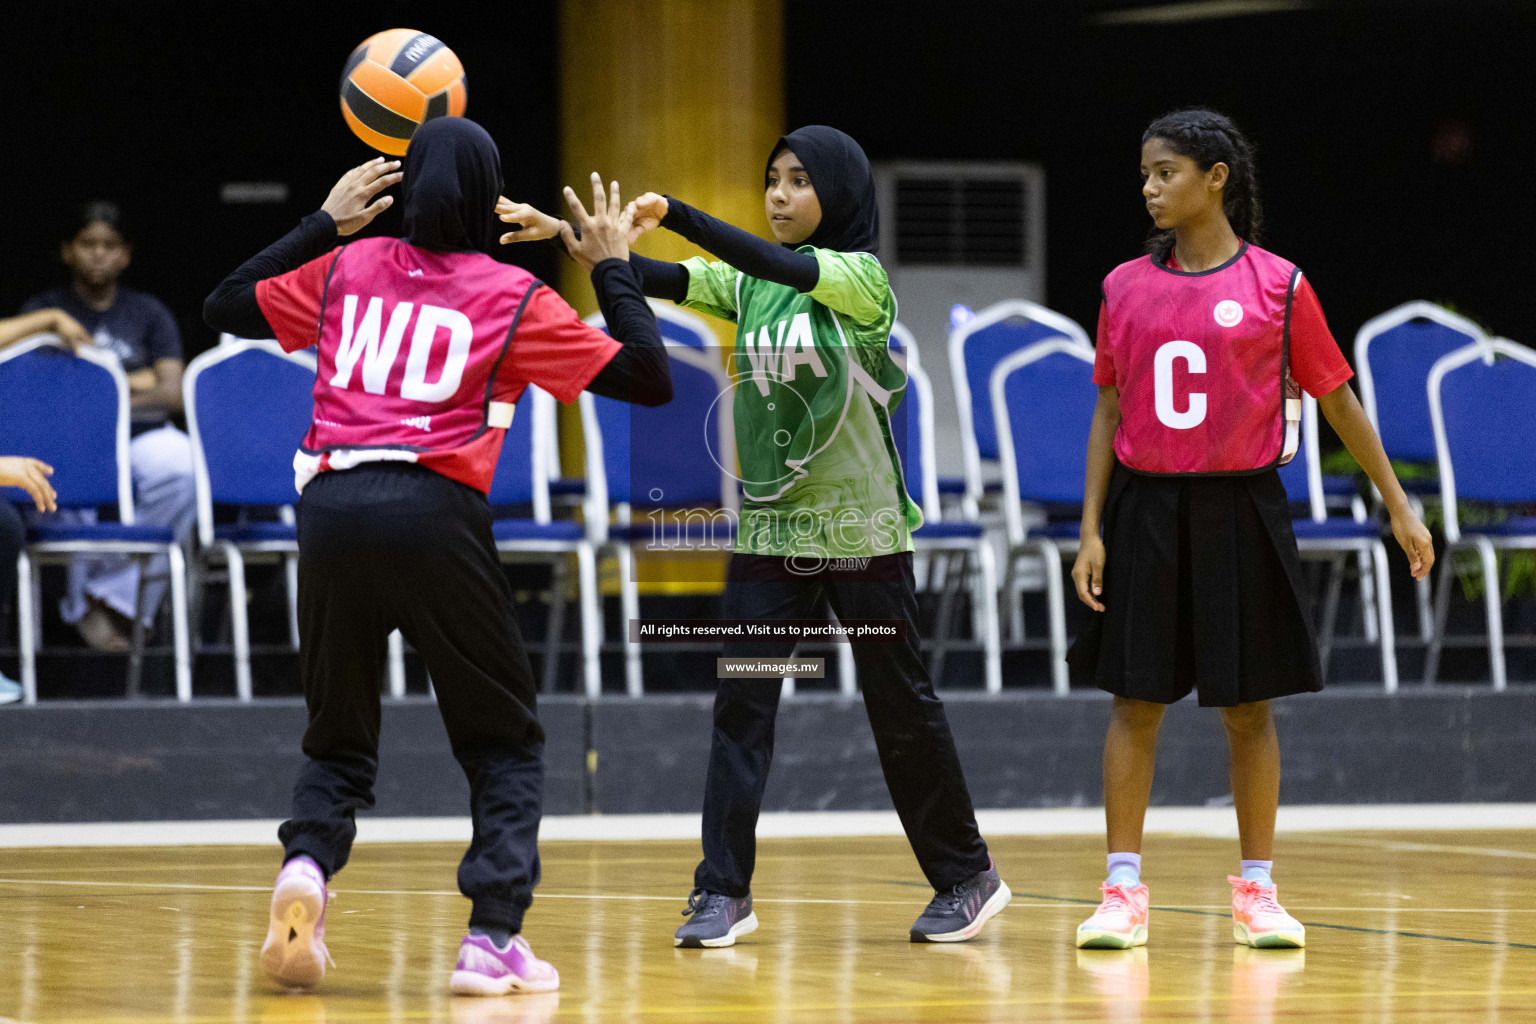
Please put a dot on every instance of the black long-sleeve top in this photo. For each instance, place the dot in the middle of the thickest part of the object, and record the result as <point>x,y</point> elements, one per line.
<point>639,372</point>
<point>753,256</point>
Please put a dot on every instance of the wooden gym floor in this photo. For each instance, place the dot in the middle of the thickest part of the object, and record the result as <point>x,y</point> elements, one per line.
<point>1436,926</point>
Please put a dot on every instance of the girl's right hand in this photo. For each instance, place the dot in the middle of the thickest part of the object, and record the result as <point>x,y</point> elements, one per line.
<point>533,225</point>
<point>31,475</point>
<point>604,232</point>
<point>1088,572</point>
<point>348,204</point>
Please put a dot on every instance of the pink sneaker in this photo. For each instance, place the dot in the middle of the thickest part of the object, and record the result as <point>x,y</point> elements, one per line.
<point>484,970</point>
<point>1121,920</point>
<point>294,953</point>
<point>1258,920</point>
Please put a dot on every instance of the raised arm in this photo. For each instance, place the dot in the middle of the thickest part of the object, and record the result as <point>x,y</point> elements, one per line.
<point>660,279</point>
<point>639,372</point>
<point>753,256</point>
<point>232,306</point>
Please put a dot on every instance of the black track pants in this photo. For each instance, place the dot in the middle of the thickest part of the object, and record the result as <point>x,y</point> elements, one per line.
<point>917,750</point>
<point>391,546</point>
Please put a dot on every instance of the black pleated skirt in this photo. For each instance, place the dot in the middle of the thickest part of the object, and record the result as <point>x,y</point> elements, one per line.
<point>1202,590</point>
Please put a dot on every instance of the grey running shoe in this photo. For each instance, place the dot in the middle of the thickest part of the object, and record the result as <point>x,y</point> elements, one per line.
<point>958,914</point>
<point>716,920</point>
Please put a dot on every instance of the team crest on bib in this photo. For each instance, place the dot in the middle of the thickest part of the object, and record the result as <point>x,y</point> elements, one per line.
<point>1229,313</point>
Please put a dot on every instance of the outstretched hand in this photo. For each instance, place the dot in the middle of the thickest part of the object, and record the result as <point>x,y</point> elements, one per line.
<point>349,205</point>
<point>604,232</point>
<point>648,211</point>
<point>530,224</point>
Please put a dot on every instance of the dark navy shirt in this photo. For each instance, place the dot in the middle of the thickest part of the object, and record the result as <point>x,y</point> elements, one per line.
<point>138,326</point>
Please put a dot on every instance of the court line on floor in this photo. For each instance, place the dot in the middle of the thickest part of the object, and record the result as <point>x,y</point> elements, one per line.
<point>1056,902</point>
<point>193,886</point>
<point>1310,924</point>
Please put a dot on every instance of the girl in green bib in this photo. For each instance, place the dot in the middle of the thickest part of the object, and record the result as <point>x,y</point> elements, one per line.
<point>825,521</point>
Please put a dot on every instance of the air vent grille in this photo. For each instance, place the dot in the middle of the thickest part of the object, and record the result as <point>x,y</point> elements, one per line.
<point>961,221</point>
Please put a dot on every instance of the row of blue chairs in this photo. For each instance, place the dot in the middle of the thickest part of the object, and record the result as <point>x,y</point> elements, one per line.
<point>1024,433</point>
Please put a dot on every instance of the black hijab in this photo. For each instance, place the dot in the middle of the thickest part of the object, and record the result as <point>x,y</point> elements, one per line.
<point>452,179</point>
<point>844,184</point>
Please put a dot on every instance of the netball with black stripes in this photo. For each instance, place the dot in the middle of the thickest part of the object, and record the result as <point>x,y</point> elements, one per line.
<point>1202,362</point>
<point>395,82</point>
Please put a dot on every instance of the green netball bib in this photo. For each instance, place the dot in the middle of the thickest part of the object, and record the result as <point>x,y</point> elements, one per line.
<point>814,388</point>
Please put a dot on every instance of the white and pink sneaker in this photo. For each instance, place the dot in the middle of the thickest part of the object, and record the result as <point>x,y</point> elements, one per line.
<point>294,953</point>
<point>484,970</point>
<point>1258,919</point>
<point>1120,922</point>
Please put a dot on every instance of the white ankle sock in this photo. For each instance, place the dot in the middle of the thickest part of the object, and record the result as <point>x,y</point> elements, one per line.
<point>1258,871</point>
<point>1124,869</point>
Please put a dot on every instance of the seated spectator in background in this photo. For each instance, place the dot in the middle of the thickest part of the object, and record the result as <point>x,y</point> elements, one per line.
<point>141,331</point>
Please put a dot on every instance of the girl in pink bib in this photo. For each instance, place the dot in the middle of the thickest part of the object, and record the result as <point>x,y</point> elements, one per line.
<point>1188,559</point>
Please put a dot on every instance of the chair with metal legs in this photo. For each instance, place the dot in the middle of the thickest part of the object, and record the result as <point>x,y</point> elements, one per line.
<point>1480,401</point>
<point>1043,399</point>
<point>71,411</point>
<point>248,405</point>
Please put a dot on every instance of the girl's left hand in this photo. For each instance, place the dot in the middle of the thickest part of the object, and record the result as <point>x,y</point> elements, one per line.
<point>1416,542</point>
<point>533,225</point>
<point>648,211</point>
<point>348,204</point>
<point>142,380</point>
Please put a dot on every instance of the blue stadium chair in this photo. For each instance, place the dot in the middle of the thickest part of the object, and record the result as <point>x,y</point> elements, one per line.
<point>1393,356</point>
<point>679,327</point>
<point>1394,353</point>
<point>72,412</point>
<point>668,473</point>
<point>947,545</point>
<point>522,478</point>
<point>1480,402</point>
<point>1332,539</point>
<point>975,348</point>
<point>1043,397</point>
<point>905,351</point>
<point>249,405</point>
<point>903,347</point>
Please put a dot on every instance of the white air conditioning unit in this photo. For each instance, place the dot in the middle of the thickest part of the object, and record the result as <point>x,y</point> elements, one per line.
<point>958,233</point>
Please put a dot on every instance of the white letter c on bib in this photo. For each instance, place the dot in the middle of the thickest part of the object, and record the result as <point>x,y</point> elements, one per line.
<point>1162,384</point>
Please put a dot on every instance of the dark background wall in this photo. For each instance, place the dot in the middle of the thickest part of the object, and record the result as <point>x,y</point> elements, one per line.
<point>1395,149</point>
<point>152,107</point>
<point>117,761</point>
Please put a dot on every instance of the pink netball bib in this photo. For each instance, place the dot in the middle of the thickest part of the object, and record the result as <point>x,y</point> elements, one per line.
<point>1201,361</point>
<point>409,346</point>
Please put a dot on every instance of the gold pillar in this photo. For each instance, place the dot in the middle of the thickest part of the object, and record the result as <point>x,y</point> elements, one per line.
<point>682,97</point>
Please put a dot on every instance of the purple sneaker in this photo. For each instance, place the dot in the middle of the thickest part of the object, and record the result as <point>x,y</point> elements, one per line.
<point>294,953</point>
<point>484,970</point>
